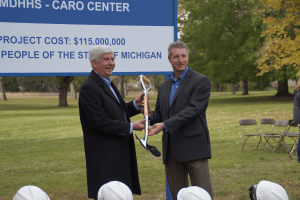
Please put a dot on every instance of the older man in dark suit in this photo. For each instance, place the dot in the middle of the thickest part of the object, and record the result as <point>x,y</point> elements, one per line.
<point>107,131</point>
<point>180,112</point>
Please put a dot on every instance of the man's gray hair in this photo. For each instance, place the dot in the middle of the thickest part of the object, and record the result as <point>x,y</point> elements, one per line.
<point>97,51</point>
<point>177,44</point>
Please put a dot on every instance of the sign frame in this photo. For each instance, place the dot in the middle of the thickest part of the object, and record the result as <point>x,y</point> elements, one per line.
<point>128,73</point>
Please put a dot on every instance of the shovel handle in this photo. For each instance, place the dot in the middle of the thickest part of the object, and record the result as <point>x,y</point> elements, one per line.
<point>146,106</point>
<point>146,80</point>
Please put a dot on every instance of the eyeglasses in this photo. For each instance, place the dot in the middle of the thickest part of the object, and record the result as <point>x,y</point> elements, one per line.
<point>252,192</point>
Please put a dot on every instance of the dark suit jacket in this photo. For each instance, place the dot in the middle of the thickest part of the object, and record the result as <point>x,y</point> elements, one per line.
<point>185,119</point>
<point>109,148</point>
<point>297,107</point>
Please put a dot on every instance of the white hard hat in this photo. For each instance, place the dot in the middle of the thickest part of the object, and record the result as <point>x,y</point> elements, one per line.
<point>267,190</point>
<point>31,192</point>
<point>114,190</point>
<point>193,193</point>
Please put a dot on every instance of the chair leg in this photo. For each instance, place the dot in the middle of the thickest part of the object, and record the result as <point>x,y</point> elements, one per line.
<point>272,145</point>
<point>293,146</point>
<point>278,144</point>
<point>259,142</point>
<point>267,142</point>
<point>286,148</point>
<point>245,143</point>
<point>245,140</point>
<point>264,144</point>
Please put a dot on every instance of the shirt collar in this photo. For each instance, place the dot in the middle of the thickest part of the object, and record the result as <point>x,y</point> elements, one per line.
<point>107,81</point>
<point>181,76</point>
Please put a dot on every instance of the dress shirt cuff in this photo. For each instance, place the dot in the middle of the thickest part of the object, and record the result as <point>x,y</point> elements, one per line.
<point>152,117</point>
<point>131,128</point>
<point>166,127</point>
<point>136,106</point>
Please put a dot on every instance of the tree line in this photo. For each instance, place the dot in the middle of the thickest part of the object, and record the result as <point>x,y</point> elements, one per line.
<point>65,84</point>
<point>252,42</point>
<point>243,40</point>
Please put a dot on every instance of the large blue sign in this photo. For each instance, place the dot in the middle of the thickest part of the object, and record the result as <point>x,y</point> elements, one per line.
<point>128,12</point>
<point>52,38</point>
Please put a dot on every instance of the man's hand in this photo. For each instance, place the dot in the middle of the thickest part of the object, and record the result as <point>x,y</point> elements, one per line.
<point>155,129</point>
<point>139,99</point>
<point>139,125</point>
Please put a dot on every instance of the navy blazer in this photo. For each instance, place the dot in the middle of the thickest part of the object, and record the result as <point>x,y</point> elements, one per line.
<point>109,147</point>
<point>185,119</point>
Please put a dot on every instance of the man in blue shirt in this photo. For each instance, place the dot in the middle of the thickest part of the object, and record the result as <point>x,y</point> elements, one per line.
<point>180,112</point>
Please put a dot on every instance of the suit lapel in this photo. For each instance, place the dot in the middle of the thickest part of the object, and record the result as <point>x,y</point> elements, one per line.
<point>99,80</point>
<point>166,91</point>
<point>122,102</point>
<point>185,80</point>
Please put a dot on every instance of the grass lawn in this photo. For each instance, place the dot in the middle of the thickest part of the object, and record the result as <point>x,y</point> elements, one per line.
<point>41,144</point>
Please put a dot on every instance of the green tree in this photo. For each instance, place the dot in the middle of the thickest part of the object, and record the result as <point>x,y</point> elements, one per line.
<point>281,46</point>
<point>156,81</point>
<point>38,84</point>
<point>223,37</point>
<point>279,54</point>
<point>78,80</point>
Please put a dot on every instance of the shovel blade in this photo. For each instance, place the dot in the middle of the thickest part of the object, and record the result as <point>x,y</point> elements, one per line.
<point>152,149</point>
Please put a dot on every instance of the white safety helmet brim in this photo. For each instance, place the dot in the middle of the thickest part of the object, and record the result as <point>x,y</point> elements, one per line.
<point>193,193</point>
<point>114,190</point>
<point>267,190</point>
<point>31,192</point>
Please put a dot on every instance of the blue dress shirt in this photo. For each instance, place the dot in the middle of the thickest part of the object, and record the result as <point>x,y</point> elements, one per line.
<point>174,87</point>
<point>176,83</point>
